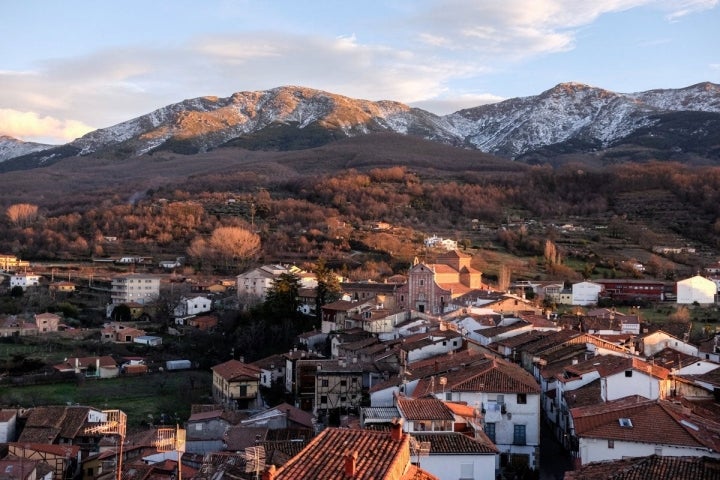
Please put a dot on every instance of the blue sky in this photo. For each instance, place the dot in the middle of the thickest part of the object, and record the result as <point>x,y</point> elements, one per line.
<point>72,66</point>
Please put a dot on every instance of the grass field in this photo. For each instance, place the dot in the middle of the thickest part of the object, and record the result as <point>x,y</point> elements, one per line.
<point>161,397</point>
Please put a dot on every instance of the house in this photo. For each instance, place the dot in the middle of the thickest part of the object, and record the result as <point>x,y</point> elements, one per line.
<point>60,425</point>
<point>62,287</point>
<point>652,343</point>
<point>697,289</point>
<point>453,455</point>
<point>335,384</point>
<point>100,367</point>
<point>135,287</point>
<point>338,453</point>
<point>236,385</point>
<point>291,371</point>
<point>586,293</point>
<point>12,326</point>
<point>205,430</point>
<point>383,293</point>
<point>47,322</point>
<point>24,280</point>
<point>281,416</point>
<point>431,344</point>
<point>149,340</point>
<point>188,307</point>
<point>509,399</point>
<point>335,314</point>
<point>253,285</point>
<point>637,427</point>
<point>9,263</point>
<point>120,333</point>
<point>431,286</point>
<point>204,323</point>
<point>62,461</point>
<point>272,370</point>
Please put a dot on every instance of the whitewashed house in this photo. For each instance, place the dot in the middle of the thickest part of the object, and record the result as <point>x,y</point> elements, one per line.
<point>187,307</point>
<point>24,280</point>
<point>586,293</point>
<point>696,289</point>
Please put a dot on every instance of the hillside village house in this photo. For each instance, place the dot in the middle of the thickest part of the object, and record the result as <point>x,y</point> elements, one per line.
<point>135,288</point>
<point>431,286</point>
<point>24,280</point>
<point>637,427</point>
<point>10,263</point>
<point>696,289</point>
<point>509,399</point>
<point>236,385</point>
<point>253,285</point>
<point>586,293</point>
<point>338,453</point>
<point>47,322</point>
<point>188,307</point>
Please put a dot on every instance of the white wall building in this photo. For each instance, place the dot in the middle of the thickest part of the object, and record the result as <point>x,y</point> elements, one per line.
<point>135,287</point>
<point>24,280</point>
<point>586,293</point>
<point>696,289</point>
<point>192,306</point>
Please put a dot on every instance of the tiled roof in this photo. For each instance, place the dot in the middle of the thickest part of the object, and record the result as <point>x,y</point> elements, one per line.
<point>233,370</point>
<point>650,468</point>
<point>651,422</point>
<point>456,443</point>
<point>44,423</point>
<point>106,361</point>
<point>669,358</point>
<point>380,413</point>
<point>237,438</point>
<point>379,456</point>
<point>589,394</point>
<point>494,376</point>
<point>493,331</point>
<point>554,340</point>
<point>423,409</point>
<point>607,365</point>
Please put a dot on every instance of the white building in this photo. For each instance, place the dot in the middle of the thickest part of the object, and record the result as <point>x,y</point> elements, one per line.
<point>509,399</point>
<point>192,306</point>
<point>586,293</point>
<point>24,280</point>
<point>135,287</point>
<point>696,289</point>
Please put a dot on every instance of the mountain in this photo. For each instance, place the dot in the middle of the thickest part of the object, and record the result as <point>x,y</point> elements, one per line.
<point>12,147</point>
<point>570,118</point>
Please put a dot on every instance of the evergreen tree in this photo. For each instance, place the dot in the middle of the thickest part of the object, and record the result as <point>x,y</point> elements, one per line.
<point>328,288</point>
<point>282,297</point>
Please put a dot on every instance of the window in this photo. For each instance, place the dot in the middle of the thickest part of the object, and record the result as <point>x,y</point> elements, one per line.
<point>323,399</point>
<point>519,435</point>
<point>628,373</point>
<point>611,443</point>
<point>343,383</point>
<point>422,282</point>
<point>324,382</point>
<point>490,431</point>
<point>521,398</point>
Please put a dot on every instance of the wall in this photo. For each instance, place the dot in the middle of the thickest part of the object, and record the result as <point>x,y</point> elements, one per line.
<point>448,467</point>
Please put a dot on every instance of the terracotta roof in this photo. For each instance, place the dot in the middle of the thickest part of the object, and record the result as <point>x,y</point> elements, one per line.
<point>106,361</point>
<point>423,409</point>
<point>651,421</point>
<point>670,359</point>
<point>379,456</point>
<point>493,331</point>
<point>380,413</point>
<point>650,468</point>
<point>462,409</point>
<point>46,423</point>
<point>589,394</point>
<point>233,370</point>
<point>607,365</point>
<point>495,376</point>
<point>456,443</point>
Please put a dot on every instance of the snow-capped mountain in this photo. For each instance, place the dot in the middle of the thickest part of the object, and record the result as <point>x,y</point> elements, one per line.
<point>12,147</point>
<point>291,117</point>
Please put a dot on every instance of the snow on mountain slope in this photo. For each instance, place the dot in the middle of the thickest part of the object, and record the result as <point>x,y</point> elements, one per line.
<point>12,147</point>
<point>590,117</point>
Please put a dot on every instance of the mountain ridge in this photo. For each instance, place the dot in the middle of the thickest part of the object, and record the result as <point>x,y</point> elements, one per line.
<point>293,117</point>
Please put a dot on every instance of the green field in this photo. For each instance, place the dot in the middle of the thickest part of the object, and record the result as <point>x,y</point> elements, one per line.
<point>146,398</point>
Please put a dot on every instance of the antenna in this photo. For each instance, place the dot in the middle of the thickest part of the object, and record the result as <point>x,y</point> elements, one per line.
<point>419,449</point>
<point>172,439</point>
<point>254,460</point>
<point>115,423</point>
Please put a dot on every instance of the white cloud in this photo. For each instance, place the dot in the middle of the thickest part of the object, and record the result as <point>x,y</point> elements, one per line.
<point>31,127</point>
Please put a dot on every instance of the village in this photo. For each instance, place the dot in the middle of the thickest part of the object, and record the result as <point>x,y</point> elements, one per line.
<point>432,375</point>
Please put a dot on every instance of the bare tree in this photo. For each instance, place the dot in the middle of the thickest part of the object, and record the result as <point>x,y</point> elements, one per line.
<point>227,247</point>
<point>22,214</point>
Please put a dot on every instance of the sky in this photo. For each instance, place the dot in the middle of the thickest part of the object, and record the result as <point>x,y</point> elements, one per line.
<point>72,66</point>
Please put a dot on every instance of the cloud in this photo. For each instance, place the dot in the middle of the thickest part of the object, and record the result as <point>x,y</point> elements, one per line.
<point>31,127</point>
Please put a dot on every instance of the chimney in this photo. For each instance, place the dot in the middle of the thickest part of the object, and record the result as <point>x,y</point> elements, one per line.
<point>269,474</point>
<point>351,464</point>
<point>396,431</point>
